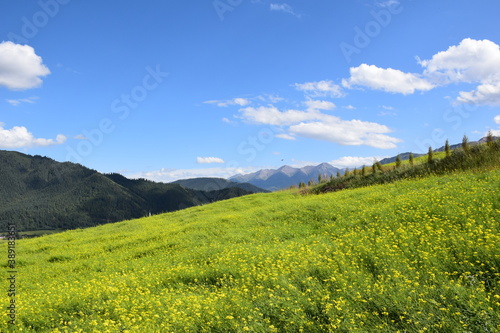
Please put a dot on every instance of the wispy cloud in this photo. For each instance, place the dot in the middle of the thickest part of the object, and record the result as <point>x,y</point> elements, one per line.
<point>316,105</point>
<point>209,160</point>
<point>230,102</point>
<point>284,7</point>
<point>285,136</point>
<point>324,88</point>
<point>16,102</point>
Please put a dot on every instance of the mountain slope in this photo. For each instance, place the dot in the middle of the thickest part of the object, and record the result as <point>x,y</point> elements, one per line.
<point>39,193</point>
<point>213,184</point>
<point>419,255</point>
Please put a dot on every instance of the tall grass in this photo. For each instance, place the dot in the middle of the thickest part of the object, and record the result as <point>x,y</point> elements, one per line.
<point>478,157</point>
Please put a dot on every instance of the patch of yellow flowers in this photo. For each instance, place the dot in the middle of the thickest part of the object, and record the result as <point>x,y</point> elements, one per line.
<point>417,256</point>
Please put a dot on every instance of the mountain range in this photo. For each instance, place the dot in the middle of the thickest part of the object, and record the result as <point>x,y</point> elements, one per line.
<point>286,176</point>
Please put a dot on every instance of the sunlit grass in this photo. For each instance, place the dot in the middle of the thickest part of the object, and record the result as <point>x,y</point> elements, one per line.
<point>411,256</point>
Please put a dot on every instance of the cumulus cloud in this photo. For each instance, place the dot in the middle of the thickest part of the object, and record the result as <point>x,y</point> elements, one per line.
<point>209,160</point>
<point>320,89</point>
<point>389,80</point>
<point>20,137</point>
<point>353,161</point>
<point>20,67</point>
<point>488,93</point>
<point>347,132</point>
<point>471,61</point>
<point>225,103</point>
<point>316,125</point>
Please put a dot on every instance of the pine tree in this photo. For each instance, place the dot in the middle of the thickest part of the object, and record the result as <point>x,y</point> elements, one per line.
<point>465,143</point>
<point>489,139</point>
<point>412,161</point>
<point>398,162</point>
<point>430,155</point>
<point>363,171</point>
<point>447,148</point>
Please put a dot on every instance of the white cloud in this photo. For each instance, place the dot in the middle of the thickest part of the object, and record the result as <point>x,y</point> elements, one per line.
<point>80,137</point>
<point>274,98</point>
<point>347,132</point>
<point>230,102</point>
<point>209,160</point>
<point>170,175</point>
<point>350,107</point>
<point>16,102</point>
<point>227,120</point>
<point>285,136</point>
<point>470,61</point>
<point>320,89</point>
<point>315,105</point>
<point>486,93</point>
<point>20,67</point>
<point>389,80</point>
<point>283,7</point>
<point>316,125</point>
<point>497,119</point>
<point>270,115</point>
<point>20,137</point>
<point>353,162</point>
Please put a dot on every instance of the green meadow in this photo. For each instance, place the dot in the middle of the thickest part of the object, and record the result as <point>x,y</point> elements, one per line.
<point>418,255</point>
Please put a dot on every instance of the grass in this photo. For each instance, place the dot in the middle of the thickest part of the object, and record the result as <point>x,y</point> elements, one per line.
<point>478,157</point>
<point>419,255</point>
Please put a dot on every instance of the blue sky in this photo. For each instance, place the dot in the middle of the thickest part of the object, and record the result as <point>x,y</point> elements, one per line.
<point>179,89</point>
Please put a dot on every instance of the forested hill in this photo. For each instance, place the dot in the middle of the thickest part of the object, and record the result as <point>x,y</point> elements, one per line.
<point>39,193</point>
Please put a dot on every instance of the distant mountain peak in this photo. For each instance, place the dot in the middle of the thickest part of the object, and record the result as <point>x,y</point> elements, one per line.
<point>286,176</point>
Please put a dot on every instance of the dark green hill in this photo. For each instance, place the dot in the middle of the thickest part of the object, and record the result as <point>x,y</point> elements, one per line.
<point>39,193</point>
<point>213,184</point>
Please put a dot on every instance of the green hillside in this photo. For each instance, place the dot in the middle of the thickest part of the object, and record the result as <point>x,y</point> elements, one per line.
<point>38,193</point>
<point>418,255</point>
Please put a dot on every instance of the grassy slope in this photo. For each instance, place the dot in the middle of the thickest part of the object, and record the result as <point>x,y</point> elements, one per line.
<point>409,256</point>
